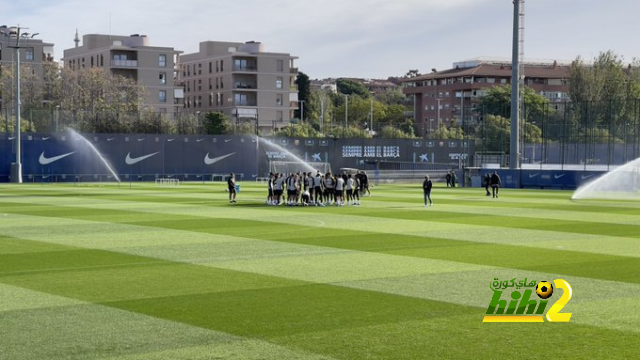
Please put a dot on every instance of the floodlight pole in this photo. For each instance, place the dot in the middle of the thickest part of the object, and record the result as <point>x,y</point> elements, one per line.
<point>14,31</point>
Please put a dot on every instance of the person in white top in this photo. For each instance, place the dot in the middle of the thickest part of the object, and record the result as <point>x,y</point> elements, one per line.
<point>350,190</point>
<point>339,190</point>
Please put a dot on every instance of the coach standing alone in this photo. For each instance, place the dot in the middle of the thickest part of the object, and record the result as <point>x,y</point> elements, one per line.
<point>231,183</point>
<point>426,187</point>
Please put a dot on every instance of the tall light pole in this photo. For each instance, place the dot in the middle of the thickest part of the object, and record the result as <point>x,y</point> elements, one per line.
<point>301,111</point>
<point>346,110</point>
<point>371,113</point>
<point>322,113</point>
<point>438,119</point>
<point>14,32</point>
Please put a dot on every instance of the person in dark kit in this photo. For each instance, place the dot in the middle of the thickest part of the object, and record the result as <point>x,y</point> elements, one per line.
<point>426,187</point>
<point>487,183</point>
<point>364,183</point>
<point>448,178</point>
<point>495,184</point>
<point>454,179</point>
<point>231,183</point>
<point>270,193</point>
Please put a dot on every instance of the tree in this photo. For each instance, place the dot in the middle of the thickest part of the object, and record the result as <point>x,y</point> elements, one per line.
<point>304,93</point>
<point>216,123</point>
<point>604,93</point>
<point>412,73</point>
<point>350,87</point>
<point>497,101</point>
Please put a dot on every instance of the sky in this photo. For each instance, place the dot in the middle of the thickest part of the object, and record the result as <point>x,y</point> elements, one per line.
<point>348,38</point>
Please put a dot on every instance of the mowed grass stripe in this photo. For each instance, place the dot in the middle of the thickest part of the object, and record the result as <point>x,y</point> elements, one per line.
<point>598,266</point>
<point>373,271</point>
<point>348,268</point>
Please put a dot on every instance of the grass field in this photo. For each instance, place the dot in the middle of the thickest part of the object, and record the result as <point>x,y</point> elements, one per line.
<point>143,272</point>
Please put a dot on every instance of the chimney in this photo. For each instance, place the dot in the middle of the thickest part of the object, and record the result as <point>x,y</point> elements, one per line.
<point>77,38</point>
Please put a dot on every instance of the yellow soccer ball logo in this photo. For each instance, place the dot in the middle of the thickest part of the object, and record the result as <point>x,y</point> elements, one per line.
<point>544,289</point>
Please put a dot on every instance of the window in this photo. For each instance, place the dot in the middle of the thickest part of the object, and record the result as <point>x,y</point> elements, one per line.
<point>279,100</point>
<point>279,83</point>
<point>210,67</point>
<point>163,78</point>
<point>217,67</point>
<point>279,115</point>
<point>217,83</point>
<point>240,99</point>
<point>162,96</point>
<point>279,65</point>
<point>210,85</point>
<point>162,60</point>
<point>240,64</point>
<point>221,65</point>
<point>101,60</point>
<point>91,60</point>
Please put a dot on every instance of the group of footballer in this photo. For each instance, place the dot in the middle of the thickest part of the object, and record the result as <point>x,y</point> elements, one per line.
<point>307,189</point>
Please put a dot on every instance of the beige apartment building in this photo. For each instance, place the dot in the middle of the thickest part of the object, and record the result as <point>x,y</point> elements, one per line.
<point>133,57</point>
<point>34,53</point>
<point>241,80</point>
<point>450,97</point>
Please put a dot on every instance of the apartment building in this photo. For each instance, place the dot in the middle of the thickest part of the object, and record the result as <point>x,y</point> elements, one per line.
<point>132,56</point>
<point>34,53</point>
<point>241,80</point>
<point>449,97</point>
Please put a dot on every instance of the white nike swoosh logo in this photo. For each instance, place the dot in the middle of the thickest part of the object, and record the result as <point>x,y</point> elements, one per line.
<point>533,175</point>
<point>130,161</point>
<point>170,139</point>
<point>110,139</point>
<point>586,176</point>
<point>254,175</point>
<point>558,176</point>
<point>11,137</point>
<point>141,139</point>
<point>209,161</point>
<point>46,161</point>
<point>199,140</point>
<point>46,138</point>
<point>227,140</point>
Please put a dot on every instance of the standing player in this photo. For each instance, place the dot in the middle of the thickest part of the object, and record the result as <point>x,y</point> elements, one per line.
<point>231,183</point>
<point>328,188</point>
<point>426,187</point>
<point>495,183</point>
<point>487,183</point>
<point>278,187</point>
<point>270,194</point>
<point>317,183</point>
<point>350,186</point>
<point>339,191</point>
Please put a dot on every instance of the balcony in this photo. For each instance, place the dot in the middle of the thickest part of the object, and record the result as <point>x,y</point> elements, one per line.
<point>293,70</point>
<point>247,68</point>
<point>124,63</point>
<point>242,85</point>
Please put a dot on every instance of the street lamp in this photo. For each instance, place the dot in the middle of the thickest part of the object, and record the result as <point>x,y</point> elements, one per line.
<point>14,32</point>
<point>198,122</point>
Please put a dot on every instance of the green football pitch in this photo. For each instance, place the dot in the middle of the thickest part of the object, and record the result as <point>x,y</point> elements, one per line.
<point>90,271</point>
